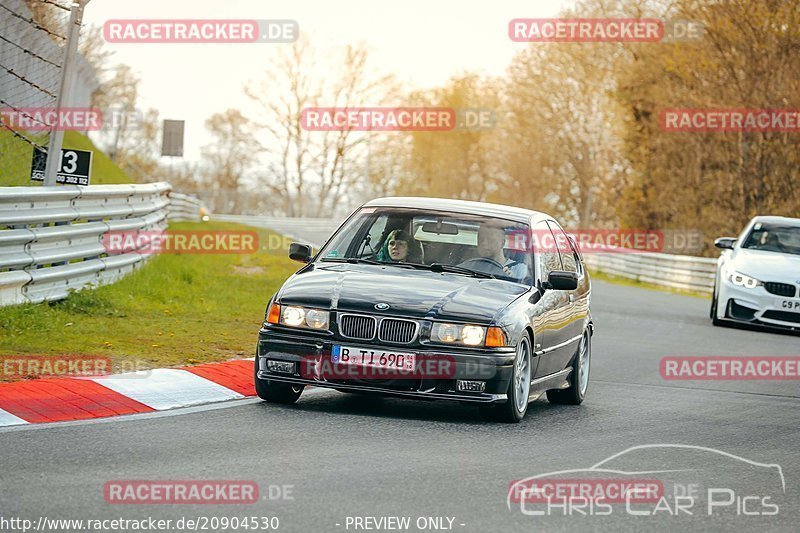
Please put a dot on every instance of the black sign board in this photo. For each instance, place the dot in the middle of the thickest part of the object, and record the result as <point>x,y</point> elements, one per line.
<point>172,138</point>
<point>74,168</point>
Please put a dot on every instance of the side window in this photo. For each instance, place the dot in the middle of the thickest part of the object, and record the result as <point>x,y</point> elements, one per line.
<point>565,249</point>
<point>577,255</point>
<point>350,242</point>
<point>342,242</point>
<point>546,249</point>
<point>376,232</point>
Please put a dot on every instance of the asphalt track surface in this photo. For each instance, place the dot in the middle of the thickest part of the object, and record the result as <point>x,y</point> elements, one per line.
<point>360,456</point>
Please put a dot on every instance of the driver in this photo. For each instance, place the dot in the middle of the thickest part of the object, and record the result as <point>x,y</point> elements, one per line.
<point>491,241</point>
<point>773,242</point>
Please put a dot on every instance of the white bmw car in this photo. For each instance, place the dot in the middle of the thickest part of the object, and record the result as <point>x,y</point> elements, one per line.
<point>758,275</point>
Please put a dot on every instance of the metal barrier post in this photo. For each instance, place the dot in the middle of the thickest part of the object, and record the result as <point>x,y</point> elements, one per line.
<point>63,97</point>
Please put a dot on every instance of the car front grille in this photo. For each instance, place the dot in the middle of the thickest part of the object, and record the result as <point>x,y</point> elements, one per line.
<point>357,327</point>
<point>783,316</point>
<point>397,330</point>
<point>781,289</point>
<point>365,328</point>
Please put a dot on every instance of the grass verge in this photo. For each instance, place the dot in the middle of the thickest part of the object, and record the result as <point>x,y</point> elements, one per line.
<point>620,280</point>
<point>176,309</point>
<point>16,154</point>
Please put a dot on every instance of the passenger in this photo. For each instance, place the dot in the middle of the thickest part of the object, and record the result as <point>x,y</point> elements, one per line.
<point>397,247</point>
<point>491,241</point>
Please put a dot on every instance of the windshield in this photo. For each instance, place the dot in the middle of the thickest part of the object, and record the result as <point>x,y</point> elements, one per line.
<point>774,238</point>
<point>452,242</point>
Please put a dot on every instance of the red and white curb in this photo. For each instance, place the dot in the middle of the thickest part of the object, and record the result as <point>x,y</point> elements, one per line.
<point>63,398</point>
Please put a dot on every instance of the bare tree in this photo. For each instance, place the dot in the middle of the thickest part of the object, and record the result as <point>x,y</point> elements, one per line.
<point>311,171</point>
<point>565,137</point>
<point>233,150</point>
<point>117,98</point>
<point>92,48</point>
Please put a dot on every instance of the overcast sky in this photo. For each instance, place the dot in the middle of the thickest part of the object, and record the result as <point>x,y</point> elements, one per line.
<point>421,42</point>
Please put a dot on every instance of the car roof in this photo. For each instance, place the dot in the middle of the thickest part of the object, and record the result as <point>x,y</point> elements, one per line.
<point>764,219</point>
<point>518,214</point>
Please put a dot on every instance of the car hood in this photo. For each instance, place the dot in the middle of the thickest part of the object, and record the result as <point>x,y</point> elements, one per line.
<point>411,293</point>
<point>767,266</point>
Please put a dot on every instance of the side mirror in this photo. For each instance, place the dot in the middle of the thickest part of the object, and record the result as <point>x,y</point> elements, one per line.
<point>561,280</point>
<point>300,252</point>
<point>725,243</point>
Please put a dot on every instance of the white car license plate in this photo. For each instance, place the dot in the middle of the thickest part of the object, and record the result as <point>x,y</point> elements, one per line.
<point>368,357</point>
<point>788,305</point>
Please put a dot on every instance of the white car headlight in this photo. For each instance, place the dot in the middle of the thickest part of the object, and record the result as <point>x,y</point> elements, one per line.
<point>458,334</point>
<point>293,316</point>
<point>472,335</point>
<point>743,280</point>
<point>301,317</point>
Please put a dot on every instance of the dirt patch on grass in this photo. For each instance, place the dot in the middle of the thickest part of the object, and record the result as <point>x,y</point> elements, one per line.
<point>248,270</point>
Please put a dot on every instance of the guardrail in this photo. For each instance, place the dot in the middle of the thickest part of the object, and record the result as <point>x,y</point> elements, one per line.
<point>183,207</point>
<point>667,270</point>
<point>313,231</point>
<point>674,271</point>
<point>51,238</point>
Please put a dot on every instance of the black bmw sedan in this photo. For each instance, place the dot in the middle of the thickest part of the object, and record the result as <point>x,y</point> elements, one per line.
<point>437,299</point>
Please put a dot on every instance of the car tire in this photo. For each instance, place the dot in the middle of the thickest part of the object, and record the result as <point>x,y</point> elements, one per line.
<point>274,392</point>
<point>714,305</point>
<point>579,377</point>
<point>519,387</point>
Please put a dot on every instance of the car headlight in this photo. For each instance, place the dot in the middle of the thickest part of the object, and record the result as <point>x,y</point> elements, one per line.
<point>468,335</point>
<point>472,335</point>
<point>298,317</point>
<point>445,332</point>
<point>742,280</point>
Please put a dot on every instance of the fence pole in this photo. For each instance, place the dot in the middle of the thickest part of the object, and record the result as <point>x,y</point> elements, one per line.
<point>64,89</point>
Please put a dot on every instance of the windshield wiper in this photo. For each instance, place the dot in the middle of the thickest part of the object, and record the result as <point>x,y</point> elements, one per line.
<point>351,260</point>
<point>441,267</point>
<point>362,261</point>
<point>433,267</point>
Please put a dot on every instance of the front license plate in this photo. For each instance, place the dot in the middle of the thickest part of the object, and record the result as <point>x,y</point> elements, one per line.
<point>368,357</point>
<point>788,305</point>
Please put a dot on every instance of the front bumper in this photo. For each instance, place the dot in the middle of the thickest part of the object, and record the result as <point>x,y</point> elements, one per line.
<point>758,307</point>
<point>492,366</point>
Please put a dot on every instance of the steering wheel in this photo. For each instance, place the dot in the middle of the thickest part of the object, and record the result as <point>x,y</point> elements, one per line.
<point>484,264</point>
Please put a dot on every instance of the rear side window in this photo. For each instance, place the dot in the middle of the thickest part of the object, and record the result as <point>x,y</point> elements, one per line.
<point>569,259</point>
<point>549,259</point>
<point>577,255</point>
